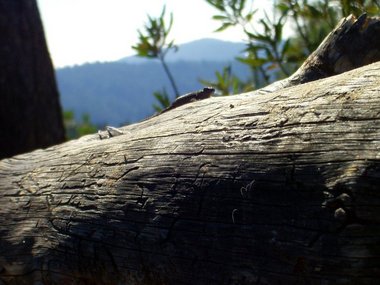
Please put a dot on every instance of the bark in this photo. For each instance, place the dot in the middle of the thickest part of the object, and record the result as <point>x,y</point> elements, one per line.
<point>277,188</point>
<point>30,113</point>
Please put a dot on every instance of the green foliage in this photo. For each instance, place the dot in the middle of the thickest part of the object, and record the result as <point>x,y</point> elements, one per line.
<point>227,83</point>
<point>163,100</point>
<point>266,49</point>
<point>231,13</point>
<point>153,43</point>
<point>269,55</point>
<point>76,129</point>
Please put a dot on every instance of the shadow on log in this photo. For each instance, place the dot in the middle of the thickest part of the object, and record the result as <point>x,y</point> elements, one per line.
<point>267,187</point>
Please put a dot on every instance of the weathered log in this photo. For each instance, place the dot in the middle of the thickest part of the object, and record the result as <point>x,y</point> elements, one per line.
<point>278,188</point>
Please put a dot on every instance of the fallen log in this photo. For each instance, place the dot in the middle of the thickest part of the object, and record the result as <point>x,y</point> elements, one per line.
<point>269,187</point>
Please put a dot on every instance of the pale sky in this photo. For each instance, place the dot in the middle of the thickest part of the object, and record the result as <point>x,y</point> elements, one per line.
<point>80,31</point>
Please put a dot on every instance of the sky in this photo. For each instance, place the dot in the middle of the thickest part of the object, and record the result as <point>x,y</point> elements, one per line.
<point>80,31</point>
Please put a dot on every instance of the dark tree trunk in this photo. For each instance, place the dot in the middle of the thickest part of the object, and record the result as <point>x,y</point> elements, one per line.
<point>30,113</point>
<point>268,187</point>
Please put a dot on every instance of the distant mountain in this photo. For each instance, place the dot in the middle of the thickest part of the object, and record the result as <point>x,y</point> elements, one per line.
<point>199,50</point>
<point>120,92</point>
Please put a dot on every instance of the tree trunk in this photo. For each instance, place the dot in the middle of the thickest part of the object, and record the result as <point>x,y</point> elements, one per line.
<point>277,188</point>
<point>30,113</point>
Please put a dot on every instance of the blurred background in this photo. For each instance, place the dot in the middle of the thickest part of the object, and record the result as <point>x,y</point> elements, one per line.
<point>70,67</point>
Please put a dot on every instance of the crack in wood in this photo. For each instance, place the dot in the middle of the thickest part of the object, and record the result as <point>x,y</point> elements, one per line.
<point>127,172</point>
<point>75,170</point>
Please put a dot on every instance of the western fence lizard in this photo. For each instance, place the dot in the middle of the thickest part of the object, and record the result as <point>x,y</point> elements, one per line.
<point>190,97</point>
<point>182,100</point>
<point>187,98</point>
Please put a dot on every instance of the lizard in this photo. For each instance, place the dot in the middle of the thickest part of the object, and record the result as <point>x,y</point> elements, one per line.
<point>205,93</point>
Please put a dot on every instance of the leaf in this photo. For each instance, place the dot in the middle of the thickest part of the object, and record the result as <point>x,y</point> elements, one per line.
<point>241,6</point>
<point>313,12</point>
<point>278,31</point>
<point>253,62</point>
<point>219,17</point>
<point>223,27</point>
<point>283,7</point>
<point>249,16</point>
<point>163,99</point>
<point>218,4</point>
<point>266,26</point>
<point>219,76</point>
